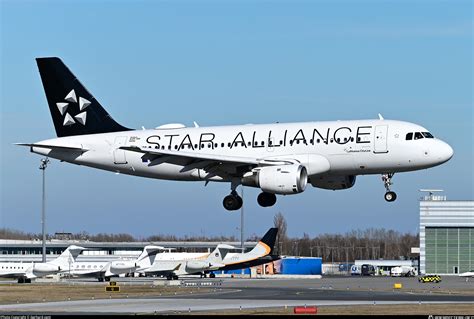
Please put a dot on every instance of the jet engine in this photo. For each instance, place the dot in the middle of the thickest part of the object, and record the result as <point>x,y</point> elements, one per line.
<point>120,266</point>
<point>45,268</point>
<point>199,265</point>
<point>333,182</point>
<point>279,179</point>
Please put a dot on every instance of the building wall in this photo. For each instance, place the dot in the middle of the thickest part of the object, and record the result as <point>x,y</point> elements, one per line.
<point>449,249</point>
<point>446,236</point>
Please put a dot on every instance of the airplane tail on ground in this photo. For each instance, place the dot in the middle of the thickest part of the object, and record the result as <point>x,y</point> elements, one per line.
<point>68,257</point>
<point>266,244</point>
<point>147,257</point>
<point>219,253</point>
<point>74,110</point>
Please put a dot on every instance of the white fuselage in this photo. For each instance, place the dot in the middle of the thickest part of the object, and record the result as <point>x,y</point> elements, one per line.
<point>351,147</point>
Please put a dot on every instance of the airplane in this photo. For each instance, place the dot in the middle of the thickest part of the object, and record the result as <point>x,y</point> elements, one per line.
<point>104,270</point>
<point>467,274</point>
<point>24,272</point>
<point>278,158</point>
<point>173,265</point>
<point>262,253</point>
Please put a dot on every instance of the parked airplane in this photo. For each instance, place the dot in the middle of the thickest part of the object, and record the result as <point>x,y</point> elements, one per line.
<point>279,158</point>
<point>27,271</point>
<point>173,265</point>
<point>103,270</point>
<point>467,274</point>
<point>262,253</point>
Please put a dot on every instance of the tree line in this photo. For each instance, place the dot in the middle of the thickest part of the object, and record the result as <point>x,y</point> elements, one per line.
<point>370,243</point>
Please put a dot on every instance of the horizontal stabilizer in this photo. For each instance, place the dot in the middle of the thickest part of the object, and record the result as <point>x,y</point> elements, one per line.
<point>57,147</point>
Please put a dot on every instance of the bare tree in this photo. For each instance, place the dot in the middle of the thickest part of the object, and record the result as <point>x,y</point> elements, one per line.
<point>279,222</point>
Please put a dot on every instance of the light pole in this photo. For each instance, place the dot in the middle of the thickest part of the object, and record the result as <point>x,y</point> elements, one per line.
<point>43,166</point>
<point>242,222</point>
<point>242,226</point>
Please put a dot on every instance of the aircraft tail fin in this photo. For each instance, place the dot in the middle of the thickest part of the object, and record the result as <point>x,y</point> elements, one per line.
<point>147,257</point>
<point>266,245</point>
<point>219,253</point>
<point>74,110</point>
<point>67,257</point>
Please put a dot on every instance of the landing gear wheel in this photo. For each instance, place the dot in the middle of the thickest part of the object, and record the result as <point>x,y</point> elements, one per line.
<point>175,277</point>
<point>212,275</point>
<point>100,279</point>
<point>169,277</point>
<point>232,202</point>
<point>266,199</point>
<point>390,196</point>
<point>387,182</point>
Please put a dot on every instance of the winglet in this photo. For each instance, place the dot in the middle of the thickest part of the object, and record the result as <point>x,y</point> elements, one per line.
<point>381,117</point>
<point>195,124</point>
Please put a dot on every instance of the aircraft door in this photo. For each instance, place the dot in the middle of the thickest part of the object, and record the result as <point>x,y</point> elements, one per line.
<point>380,139</point>
<point>119,155</point>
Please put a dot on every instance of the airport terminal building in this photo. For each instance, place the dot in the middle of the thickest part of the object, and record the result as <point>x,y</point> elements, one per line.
<point>446,235</point>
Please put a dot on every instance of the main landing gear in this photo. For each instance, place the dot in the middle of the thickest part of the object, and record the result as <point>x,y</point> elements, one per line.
<point>387,181</point>
<point>266,199</point>
<point>234,201</point>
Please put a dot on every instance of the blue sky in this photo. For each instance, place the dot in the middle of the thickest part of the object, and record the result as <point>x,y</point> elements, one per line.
<point>233,62</point>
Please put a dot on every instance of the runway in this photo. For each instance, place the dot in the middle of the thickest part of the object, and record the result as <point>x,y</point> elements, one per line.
<point>257,293</point>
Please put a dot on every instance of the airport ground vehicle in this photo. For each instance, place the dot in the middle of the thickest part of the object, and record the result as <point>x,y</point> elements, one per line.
<point>403,271</point>
<point>429,278</point>
<point>355,270</point>
<point>367,270</point>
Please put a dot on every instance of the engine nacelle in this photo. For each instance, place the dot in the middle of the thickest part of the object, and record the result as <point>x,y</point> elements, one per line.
<point>120,266</point>
<point>199,265</point>
<point>45,268</point>
<point>333,182</point>
<point>282,179</point>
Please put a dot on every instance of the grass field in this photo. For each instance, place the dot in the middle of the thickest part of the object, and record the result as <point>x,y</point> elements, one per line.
<point>27,293</point>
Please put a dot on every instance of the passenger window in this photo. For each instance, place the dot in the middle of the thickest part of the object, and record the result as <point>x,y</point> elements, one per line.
<point>409,136</point>
<point>418,135</point>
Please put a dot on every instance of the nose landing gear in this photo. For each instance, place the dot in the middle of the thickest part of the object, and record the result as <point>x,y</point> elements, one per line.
<point>387,181</point>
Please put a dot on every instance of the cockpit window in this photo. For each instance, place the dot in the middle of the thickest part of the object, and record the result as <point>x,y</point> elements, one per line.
<point>427,134</point>
<point>418,135</point>
<point>409,136</point>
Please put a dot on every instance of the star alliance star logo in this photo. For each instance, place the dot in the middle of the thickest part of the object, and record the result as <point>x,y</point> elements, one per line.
<point>63,106</point>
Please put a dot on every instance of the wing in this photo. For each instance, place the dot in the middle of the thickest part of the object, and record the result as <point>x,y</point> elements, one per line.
<point>163,268</point>
<point>13,274</point>
<point>220,165</point>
